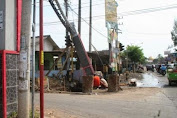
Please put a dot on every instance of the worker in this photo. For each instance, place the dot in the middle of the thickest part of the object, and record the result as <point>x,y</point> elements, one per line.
<point>96,81</point>
<point>104,83</point>
<point>105,70</point>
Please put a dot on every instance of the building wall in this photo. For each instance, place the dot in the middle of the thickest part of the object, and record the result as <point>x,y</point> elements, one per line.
<point>48,61</point>
<point>8,33</point>
<point>47,45</point>
<point>12,85</point>
<point>47,57</point>
<point>2,31</point>
<point>8,42</point>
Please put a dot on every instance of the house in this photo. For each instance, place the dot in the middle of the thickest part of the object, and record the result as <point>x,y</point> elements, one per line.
<point>52,52</point>
<point>50,48</point>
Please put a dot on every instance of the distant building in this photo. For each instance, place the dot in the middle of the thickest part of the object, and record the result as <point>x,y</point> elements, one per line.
<point>150,59</point>
<point>49,48</point>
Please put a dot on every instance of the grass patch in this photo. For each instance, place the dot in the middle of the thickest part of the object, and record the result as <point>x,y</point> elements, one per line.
<point>36,114</point>
<point>13,115</point>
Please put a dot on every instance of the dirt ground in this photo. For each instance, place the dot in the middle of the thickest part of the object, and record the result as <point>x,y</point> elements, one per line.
<point>128,93</point>
<point>52,113</point>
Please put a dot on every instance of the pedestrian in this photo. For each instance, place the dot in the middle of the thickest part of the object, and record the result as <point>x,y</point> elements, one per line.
<point>96,81</point>
<point>104,83</point>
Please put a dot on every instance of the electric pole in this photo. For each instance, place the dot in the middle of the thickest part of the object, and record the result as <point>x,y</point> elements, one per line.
<point>41,57</point>
<point>79,18</point>
<point>24,63</point>
<point>90,28</point>
<point>66,12</point>
<point>33,57</point>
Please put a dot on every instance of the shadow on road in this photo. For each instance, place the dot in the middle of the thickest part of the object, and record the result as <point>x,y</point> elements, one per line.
<point>174,85</point>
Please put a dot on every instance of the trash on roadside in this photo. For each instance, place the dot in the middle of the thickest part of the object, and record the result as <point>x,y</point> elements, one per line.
<point>132,82</point>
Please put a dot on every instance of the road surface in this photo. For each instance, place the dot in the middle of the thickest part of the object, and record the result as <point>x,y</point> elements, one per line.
<point>156,101</point>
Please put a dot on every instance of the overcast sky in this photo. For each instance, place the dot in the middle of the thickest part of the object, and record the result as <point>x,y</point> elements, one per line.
<point>149,30</point>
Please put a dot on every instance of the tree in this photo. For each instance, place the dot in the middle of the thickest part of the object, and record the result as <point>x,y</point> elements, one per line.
<point>174,33</point>
<point>135,54</point>
<point>155,61</point>
<point>160,58</point>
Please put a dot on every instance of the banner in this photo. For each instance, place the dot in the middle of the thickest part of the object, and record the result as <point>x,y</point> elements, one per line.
<point>111,14</point>
<point>113,35</point>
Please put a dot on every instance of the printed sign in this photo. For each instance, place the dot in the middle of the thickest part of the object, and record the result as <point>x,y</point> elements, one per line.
<point>1,16</point>
<point>111,11</point>
<point>23,85</point>
<point>42,58</point>
<point>166,52</point>
<point>111,14</point>
<point>1,26</point>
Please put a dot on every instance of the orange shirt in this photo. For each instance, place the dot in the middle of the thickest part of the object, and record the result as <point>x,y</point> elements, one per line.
<point>96,81</point>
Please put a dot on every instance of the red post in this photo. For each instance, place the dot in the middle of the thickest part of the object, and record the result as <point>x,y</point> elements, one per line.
<point>4,84</point>
<point>19,13</point>
<point>41,55</point>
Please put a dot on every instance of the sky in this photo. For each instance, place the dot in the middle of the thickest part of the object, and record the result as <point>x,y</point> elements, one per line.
<point>150,31</point>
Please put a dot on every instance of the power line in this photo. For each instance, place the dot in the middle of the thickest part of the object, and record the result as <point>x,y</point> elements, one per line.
<point>148,10</point>
<point>148,33</point>
<point>141,11</point>
<point>88,24</point>
<point>76,5</point>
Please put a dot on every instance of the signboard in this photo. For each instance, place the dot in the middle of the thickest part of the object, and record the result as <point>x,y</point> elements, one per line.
<point>111,11</point>
<point>1,20</point>
<point>1,26</point>
<point>113,35</point>
<point>1,16</point>
<point>166,52</point>
<point>111,14</point>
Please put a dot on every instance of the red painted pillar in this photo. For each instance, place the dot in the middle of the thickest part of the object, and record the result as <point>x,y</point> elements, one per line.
<point>18,28</point>
<point>4,94</point>
<point>41,55</point>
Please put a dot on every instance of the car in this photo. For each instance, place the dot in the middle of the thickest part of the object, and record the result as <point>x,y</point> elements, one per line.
<point>149,67</point>
<point>172,73</point>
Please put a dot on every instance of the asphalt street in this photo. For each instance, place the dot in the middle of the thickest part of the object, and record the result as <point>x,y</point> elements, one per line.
<point>144,101</point>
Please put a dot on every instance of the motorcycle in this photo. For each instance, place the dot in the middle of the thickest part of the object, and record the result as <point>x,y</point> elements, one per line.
<point>163,69</point>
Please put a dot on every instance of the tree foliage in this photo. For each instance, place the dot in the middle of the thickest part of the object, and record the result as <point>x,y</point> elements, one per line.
<point>174,33</point>
<point>135,54</point>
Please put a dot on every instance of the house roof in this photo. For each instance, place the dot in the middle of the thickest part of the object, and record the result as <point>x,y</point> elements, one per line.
<point>49,38</point>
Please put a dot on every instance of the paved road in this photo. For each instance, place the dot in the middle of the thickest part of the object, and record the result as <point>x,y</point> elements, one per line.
<point>131,103</point>
<point>153,79</point>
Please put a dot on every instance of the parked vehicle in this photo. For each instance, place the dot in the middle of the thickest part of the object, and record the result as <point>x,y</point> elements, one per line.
<point>149,67</point>
<point>172,73</point>
<point>157,67</point>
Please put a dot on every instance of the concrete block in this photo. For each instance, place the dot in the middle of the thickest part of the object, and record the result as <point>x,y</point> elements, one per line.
<point>113,83</point>
<point>87,85</point>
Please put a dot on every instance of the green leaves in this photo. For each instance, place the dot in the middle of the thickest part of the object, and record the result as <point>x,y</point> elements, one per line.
<point>135,54</point>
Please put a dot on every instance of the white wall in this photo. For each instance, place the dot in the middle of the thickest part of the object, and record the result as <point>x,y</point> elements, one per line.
<point>8,33</point>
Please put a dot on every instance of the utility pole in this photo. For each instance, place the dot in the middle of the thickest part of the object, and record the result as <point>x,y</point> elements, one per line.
<point>90,28</point>
<point>33,56</point>
<point>79,18</point>
<point>24,64</point>
<point>41,62</point>
<point>66,12</point>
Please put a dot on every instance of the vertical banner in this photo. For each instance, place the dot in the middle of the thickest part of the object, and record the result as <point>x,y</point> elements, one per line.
<point>111,14</point>
<point>112,29</point>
